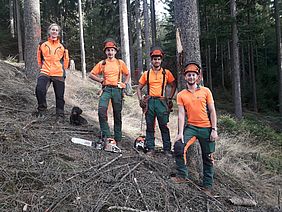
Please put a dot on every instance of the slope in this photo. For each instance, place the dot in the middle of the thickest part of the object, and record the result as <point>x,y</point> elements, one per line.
<point>41,170</point>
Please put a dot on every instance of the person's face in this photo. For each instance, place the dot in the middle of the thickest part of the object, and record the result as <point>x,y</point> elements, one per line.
<point>156,61</point>
<point>110,52</point>
<point>54,32</point>
<point>191,77</point>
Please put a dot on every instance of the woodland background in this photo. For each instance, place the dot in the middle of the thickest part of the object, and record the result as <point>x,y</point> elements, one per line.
<point>258,40</point>
<point>238,44</point>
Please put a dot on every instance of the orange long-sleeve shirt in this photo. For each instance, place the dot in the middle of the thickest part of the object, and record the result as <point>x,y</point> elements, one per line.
<point>53,58</point>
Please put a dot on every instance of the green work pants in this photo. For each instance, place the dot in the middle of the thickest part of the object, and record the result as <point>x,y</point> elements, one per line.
<point>157,108</point>
<point>115,95</point>
<point>207,147</point>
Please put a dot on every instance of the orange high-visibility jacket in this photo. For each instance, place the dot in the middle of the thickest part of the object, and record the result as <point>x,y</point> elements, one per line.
<point>53,58</point>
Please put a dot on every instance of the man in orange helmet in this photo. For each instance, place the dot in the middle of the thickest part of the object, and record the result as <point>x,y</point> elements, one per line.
<point>112,70</point>
<point>157,103</point>
<point>53,59</point>
<point>198,104</point>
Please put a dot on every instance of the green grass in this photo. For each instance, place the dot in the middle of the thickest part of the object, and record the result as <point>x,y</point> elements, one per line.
<point>261,131</point>
<point>258,133</point>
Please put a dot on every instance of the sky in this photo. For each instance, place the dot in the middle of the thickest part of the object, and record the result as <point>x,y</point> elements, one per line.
<point>159,7</point>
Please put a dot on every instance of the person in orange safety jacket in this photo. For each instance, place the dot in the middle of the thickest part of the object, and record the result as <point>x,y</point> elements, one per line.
<point>53,59</point>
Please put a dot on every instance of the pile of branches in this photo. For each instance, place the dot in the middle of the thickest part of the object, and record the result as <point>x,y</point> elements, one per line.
<point>42,170</point>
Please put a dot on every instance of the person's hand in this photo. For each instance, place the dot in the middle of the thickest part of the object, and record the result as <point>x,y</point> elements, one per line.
<point>142,103</point>
<point>121,85</point>
<point>179,137</point>
<point>214,135</point>
<point>170,105</point>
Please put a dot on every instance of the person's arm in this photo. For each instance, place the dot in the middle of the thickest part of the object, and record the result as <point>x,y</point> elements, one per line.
<point>96,78</point>
<point>127,78</point>
<point>39,57</point>
<point>173,89</point>
<point>181,122</point>
<point>139,88</point>
<point>213,118</point>
<point>66,59</point>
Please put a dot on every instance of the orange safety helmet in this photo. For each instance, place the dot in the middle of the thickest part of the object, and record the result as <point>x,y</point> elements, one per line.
<point>157,51</point>
<point>192,67</point>
<point>110,43</point>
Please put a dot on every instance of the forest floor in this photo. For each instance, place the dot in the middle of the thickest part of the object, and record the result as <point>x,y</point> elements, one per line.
<point>42,170</point>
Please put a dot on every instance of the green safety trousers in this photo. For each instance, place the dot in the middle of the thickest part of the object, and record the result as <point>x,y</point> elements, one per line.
<point>115,95</point>
<point>191,133</point>
<point>157,107</point>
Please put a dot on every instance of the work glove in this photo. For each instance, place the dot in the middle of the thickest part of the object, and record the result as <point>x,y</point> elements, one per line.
<point>170,105</point>
<point>143,103</point>
<point>121,85</point>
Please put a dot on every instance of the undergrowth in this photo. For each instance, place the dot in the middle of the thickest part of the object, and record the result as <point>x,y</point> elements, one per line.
<point>260,134</point>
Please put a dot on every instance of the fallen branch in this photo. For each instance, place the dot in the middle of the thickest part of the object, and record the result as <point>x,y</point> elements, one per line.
<point>14,109</point>
<point>107,164</point>
<point>243,201</point>
<point>102,199</point>
<point>141,195</point>
<point>127,209</point>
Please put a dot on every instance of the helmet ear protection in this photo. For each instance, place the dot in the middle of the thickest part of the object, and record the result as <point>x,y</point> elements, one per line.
<point>110,43</point>
<point>157,52</point>
<point>140,143</point>
<point>192,67</point>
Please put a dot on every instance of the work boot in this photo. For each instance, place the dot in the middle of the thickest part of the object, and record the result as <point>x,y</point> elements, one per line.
<point>179,179</point>
<point>150,153</point>
<point>167,153</point>
<point>40,114</point>
<point>60,119</point>
<point>207,191</point>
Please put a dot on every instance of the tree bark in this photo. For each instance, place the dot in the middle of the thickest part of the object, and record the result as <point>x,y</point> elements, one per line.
<point>147,32</point>
<point>124,36</point>
<point>279,51</point>
<point>188,49</point>
<point>153,22</point>
<point>19,31</point>
<point>243,69</point>
<point>32,35</point>
<point>209,67</point>
<point>236,84</point>
<point>82,50</point>
<point>138,40</point>
<point>131,49</point>
<point>12,20</point>
<point>222,67</point>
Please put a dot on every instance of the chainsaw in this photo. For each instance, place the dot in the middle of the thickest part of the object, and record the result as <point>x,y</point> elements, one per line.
<point>108,145</point>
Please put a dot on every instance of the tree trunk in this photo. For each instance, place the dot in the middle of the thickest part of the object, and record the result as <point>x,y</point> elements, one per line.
<point>19,32</point>
<point>131,49</point>
<point>236,84</point>
<point>209,67</point>
<point>222,66</point>
<point>279,51</point>
<point>32,35</point>
<point>252,74</point>
<point>188,48</point>
<point>82,50</point>
<point>124,36</point>
<point>138,40</point>
<point>153,22</point>
<point>243,70</point>
<point>147,32</point>
<point>12,20</point>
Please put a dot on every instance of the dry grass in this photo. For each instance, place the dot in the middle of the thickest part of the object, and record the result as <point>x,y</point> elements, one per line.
<point>87,99</point>
<point>42,169</point>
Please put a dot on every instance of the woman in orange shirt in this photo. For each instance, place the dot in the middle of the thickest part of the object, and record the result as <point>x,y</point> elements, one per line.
<point>53,59</point>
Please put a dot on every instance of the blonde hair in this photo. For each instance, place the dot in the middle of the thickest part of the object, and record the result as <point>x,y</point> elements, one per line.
<point>54,24</point>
